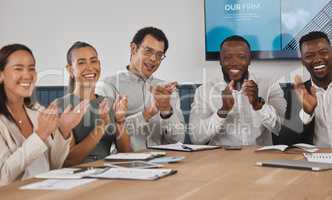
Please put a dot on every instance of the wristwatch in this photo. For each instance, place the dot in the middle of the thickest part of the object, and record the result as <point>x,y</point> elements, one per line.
<point>261,100</point>
<point>260,103</point>
<point>166,114</point>
<point>222,113</point>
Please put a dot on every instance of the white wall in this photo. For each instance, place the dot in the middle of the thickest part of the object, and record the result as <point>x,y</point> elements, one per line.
<point>49,27</point>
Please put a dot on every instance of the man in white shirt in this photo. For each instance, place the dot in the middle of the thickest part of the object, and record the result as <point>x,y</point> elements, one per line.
<point>232,111</point>
<point>316,56</point>
<point>154,114</point>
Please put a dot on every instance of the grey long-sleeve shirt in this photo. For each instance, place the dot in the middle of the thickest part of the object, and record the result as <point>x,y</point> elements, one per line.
<point>144,133</point>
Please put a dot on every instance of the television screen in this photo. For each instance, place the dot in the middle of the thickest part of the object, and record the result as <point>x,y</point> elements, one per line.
<point>272,27</point>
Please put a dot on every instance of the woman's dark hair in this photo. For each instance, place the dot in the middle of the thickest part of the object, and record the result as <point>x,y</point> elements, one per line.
<point>5,52</point>
<point>76,45</point>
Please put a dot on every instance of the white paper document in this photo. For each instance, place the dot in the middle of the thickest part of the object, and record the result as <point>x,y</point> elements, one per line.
<point>134,174</point>
<point>69,173</point>
<point>184,147</point>
<point>52,184</point>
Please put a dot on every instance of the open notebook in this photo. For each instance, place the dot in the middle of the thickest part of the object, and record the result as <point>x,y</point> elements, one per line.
<point>319,157</point>
<point>299,146</point>
<point>183,147</point>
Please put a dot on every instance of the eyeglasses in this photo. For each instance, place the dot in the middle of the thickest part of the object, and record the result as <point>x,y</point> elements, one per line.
<point>147,51</point>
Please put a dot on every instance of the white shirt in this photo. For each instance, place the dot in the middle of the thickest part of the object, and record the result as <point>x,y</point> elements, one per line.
<point>323,116</point>
<point>144,133</point>
<point>242,126</point>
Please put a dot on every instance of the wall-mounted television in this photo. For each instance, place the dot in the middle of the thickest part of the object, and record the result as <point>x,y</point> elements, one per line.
<point>272,27</point>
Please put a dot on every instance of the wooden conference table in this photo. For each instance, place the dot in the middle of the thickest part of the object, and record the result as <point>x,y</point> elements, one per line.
<point>216,174</point>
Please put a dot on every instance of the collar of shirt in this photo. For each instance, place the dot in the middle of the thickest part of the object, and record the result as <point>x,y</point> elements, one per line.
<point>137,78</point>
<point>320,89</point>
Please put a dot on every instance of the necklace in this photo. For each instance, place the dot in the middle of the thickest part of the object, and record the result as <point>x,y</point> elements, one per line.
<point>20,122</point>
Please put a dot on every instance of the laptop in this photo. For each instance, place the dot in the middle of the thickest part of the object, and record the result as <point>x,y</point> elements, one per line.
<point>296,164</point>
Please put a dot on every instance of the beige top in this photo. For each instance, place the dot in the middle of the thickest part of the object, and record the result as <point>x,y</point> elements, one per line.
<point>22,158</point>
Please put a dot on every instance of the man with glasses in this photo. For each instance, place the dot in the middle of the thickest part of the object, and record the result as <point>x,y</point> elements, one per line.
<point>154,114</point>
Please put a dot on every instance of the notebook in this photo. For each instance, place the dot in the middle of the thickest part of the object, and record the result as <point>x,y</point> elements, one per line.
<point>70,173</point>
<point>134,156</point>
<point>134,174</point>
<point>295,164</point>
<point>299,146</point>
<point>183,147</point>
<point>319,157</point>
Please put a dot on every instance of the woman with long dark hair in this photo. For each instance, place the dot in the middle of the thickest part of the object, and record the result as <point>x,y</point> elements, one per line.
<point>33,139</point>
<point>103,123</point>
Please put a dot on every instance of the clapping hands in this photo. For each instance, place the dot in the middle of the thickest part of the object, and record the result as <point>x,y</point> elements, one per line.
<point>162,99</point>
<point>306,98</point>
<point>120,107</point>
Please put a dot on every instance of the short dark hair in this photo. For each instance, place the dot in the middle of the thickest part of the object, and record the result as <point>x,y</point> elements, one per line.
<point>76,45</point>
<point>5,52</point>
<point>154,32</point>
<point>314,35</point>
<point>234,38</point>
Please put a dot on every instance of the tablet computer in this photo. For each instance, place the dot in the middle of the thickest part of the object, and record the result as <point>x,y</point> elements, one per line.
<point>134,164</point>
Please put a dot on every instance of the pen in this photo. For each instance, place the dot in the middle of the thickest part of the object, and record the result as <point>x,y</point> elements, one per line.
<point>84,169</point>
<point>81,170</point>
<point>186,147</point>
<point>95,169</point>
